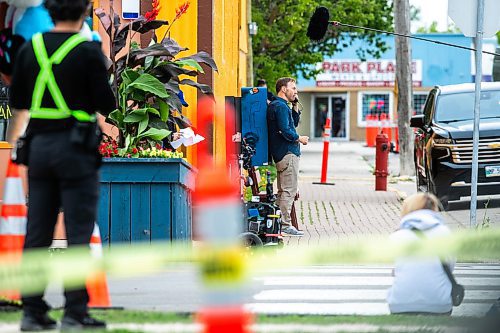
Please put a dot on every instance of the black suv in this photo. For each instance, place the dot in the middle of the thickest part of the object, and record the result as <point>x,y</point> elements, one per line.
<point>443,141</point>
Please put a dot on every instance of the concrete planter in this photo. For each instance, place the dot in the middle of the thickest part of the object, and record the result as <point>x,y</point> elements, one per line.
<point>145,200</point>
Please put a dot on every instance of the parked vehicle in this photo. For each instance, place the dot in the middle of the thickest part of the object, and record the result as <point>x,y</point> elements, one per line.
<point>444,146</point>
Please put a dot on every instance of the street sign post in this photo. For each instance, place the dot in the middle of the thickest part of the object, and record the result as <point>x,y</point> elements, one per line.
<point>462,13</point>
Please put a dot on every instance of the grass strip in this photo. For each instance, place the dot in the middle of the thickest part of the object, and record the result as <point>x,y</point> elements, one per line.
<point>141,317</point>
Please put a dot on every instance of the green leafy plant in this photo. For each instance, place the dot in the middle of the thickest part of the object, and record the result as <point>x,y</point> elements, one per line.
<point>147,81</point>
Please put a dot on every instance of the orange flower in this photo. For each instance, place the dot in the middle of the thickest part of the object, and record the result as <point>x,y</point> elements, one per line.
<point>182,9</point>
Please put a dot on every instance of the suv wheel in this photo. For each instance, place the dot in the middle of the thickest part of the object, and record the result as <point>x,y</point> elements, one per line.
<point>431,189</point>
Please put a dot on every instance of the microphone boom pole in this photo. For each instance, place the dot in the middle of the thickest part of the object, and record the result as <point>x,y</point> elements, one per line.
<point>320,20</point>
<point>337,23</point>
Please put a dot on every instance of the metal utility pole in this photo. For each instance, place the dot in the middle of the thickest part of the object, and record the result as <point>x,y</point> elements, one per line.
<point>404,85</point>
<point>477,100</point>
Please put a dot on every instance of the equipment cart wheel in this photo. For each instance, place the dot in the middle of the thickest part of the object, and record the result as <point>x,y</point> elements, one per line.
<point>250,239</point>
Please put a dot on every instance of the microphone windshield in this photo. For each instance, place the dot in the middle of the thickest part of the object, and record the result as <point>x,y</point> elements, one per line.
<point>318,24</point>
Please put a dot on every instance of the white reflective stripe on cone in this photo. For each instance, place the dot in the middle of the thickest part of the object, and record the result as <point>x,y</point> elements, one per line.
<point>95,243</point>
<point>14,193</point>
<point>13,226</point>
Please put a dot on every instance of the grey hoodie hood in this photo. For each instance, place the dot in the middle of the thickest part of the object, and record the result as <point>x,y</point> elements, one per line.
<point>423,219</point>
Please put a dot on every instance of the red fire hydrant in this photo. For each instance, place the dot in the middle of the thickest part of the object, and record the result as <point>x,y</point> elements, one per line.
<point>381,162</point>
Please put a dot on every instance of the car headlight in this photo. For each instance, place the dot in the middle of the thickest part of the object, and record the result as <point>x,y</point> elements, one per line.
<point>443,141</point>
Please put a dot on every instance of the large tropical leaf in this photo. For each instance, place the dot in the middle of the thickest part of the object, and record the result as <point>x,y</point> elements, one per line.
<point>181,120</point>
<point>191,63</point>
<point>202,57</point>
<point>141,25</point>
<point>117,117</point>
<point>158,124</point>
<point>136,115</point>
<point>143,125</point>
<point>129,76</point>
<point>174,102</point>
<point>164,110</point>
<point>105,20</point>
<point>137,57</point>
<point>166,70</point>
<point>172,46</point>
<point>173,86</point>
<point>155,134</point>
<point>149,83</point>
<point>202,87</point>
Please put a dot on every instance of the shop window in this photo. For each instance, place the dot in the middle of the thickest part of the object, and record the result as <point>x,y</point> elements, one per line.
<point>418,103</point>
<point>376,103</point>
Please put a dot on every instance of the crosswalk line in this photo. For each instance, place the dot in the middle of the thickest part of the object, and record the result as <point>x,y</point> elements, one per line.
<point>343,289</point>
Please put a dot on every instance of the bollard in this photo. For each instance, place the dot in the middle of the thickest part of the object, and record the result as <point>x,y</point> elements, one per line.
<point>371,129</point>
<point>386,127</point>
<point>381,162</point>
<point>396,139</point>
<point>326,144</point>
<point>217,217</point>
<point>368,129</point>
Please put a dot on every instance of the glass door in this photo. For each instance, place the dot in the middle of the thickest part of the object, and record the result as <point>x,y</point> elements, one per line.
<point>333,107</point>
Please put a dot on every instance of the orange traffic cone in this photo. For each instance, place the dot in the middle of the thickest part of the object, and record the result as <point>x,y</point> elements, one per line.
<point>97,286</point>
<point>12,221</point>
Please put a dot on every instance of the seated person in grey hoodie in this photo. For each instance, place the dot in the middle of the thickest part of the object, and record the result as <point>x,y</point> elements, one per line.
<point>421,285</point>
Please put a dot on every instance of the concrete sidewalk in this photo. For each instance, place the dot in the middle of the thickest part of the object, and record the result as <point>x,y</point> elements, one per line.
<point>352,206</point>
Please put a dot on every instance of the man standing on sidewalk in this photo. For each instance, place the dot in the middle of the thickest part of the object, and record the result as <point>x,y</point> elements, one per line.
<point>284,145</point>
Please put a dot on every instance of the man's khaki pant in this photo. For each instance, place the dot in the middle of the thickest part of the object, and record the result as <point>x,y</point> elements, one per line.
<point>288,172</point>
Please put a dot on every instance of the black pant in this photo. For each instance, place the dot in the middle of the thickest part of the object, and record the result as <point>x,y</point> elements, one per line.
<point>60,175</point>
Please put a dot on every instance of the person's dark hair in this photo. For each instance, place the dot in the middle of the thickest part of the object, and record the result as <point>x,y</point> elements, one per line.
<point>283,82</point>
<point>261,82</point>
<point>66,10</point>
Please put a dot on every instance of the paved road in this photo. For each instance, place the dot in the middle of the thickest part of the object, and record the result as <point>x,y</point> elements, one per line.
<point>327,290</point>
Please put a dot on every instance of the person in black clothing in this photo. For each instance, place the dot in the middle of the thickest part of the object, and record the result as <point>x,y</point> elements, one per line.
<point>270,96</point>
<point>60,81</point>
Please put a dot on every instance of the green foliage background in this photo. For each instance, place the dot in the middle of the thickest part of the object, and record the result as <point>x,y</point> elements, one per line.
<point>281,47</point>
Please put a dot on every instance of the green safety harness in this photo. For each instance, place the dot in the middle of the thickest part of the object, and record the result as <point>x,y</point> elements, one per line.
<point>46,79</point>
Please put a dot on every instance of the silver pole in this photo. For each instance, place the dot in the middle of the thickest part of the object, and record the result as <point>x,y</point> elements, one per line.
<point>477,111</point>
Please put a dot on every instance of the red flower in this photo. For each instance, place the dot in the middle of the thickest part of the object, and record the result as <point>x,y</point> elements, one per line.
<point>182,9</point>
<point>153,13</point>
<point>134,151</point>
<point>158,146</point>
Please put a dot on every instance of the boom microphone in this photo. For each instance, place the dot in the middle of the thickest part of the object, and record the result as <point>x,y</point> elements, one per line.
<point>318,24</point>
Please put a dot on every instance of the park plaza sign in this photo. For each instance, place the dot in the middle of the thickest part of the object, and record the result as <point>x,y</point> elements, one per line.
<point>356,73</point>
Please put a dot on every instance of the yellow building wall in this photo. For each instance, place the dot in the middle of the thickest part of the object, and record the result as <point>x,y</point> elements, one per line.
<point>184,32</point>
<point>227,22</point>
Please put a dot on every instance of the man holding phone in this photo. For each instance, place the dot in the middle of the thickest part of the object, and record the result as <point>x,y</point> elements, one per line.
<point>284,147</point>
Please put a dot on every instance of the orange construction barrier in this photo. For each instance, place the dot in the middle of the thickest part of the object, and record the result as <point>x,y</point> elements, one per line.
<point>97,286</point>
<point>13,220</point>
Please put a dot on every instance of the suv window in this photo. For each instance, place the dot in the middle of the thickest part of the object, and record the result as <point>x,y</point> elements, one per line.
<point>429,104</point>
<point>460,106</point>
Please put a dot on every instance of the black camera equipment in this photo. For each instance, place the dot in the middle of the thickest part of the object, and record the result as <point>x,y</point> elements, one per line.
<point>262,216</point>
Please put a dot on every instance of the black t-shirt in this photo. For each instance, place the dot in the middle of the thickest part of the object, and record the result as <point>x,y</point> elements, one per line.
<point>81,77</point>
